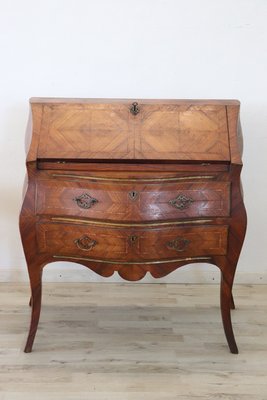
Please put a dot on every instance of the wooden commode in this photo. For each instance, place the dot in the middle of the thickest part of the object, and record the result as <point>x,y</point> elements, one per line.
<point>133,186</point>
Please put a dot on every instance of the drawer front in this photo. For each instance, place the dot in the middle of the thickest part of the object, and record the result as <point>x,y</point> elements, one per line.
<point>120,243</point>
<point>133,201</point>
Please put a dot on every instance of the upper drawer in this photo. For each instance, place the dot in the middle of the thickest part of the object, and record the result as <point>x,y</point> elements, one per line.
<point>150,130</point>
<point>133,201</point>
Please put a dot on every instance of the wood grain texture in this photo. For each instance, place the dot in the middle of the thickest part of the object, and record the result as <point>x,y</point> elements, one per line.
<point>188,102</point>
<point>235,134</point>
<point>182,133</point>
<point>132,341</point>
<point>157,132</point>
<point>101,166</point>
<point>131,215</point>
<point>154,201</point>
<point>33,132</point>
<point>132,244</point>
<point>95,131</point>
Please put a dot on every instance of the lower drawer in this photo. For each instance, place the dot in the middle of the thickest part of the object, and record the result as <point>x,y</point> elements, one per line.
<point>131,243</point>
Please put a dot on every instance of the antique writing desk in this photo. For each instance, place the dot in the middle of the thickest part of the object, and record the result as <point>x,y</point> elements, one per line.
<point>133,186</point>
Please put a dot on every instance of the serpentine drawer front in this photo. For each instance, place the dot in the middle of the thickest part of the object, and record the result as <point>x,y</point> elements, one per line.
<point>133,186</point>
<point>130,243</point>
<point>132,201</point>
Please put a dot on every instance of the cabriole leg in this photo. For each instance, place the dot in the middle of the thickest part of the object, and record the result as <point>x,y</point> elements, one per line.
<point>226,305</point>
<point>35,274</point>
<point>232,302</point>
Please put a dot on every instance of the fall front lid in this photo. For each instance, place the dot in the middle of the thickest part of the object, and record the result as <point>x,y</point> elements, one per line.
<point>119,129</point>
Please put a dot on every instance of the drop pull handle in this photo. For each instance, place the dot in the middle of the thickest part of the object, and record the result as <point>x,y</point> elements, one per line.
<point>85,243</point>
<point>135,108</point>
<point>85,201</point>
<point>178,244</point>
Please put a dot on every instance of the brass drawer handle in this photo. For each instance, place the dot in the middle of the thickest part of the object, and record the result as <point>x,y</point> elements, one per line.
<point>135,108</point>
<point>85,243</point>
<point>178,244</point>
<point>85,201</point>
<point>181,202</point>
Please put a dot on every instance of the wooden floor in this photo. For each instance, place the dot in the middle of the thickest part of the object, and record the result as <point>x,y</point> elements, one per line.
<point>132,342</point>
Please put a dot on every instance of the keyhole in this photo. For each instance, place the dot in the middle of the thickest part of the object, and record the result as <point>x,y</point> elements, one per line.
<point>133,239</point>
<point>134,109</point>
<point>133,195</point>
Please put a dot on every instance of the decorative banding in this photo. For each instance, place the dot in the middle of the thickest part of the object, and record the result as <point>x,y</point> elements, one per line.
<point>149,180</point>
<point>130,225</point>
<point>131,262</point>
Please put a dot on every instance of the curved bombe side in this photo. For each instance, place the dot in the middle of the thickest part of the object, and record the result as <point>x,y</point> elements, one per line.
<point>130,269</point>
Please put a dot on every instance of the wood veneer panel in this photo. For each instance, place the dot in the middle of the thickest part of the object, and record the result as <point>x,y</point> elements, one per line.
<point>153,201</point>
<point>110,131</point>
<point>132,243</point>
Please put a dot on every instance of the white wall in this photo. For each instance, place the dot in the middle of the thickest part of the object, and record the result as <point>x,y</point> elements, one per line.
<point>133,48</point>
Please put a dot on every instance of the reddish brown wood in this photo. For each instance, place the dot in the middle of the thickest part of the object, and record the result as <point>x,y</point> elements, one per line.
<point>131,243</point>
<point>154,201</point>
<point>140,193</point>
<point>144,168</point>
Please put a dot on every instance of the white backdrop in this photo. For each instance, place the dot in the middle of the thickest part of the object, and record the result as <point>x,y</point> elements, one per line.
<point>133,49</point>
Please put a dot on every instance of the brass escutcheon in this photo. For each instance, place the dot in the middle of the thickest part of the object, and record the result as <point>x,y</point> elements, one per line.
<point>132,239</point>
<point>133,195</point>
<point>135,108</point>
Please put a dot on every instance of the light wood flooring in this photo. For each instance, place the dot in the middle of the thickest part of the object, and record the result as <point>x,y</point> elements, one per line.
<point>132,342</point>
